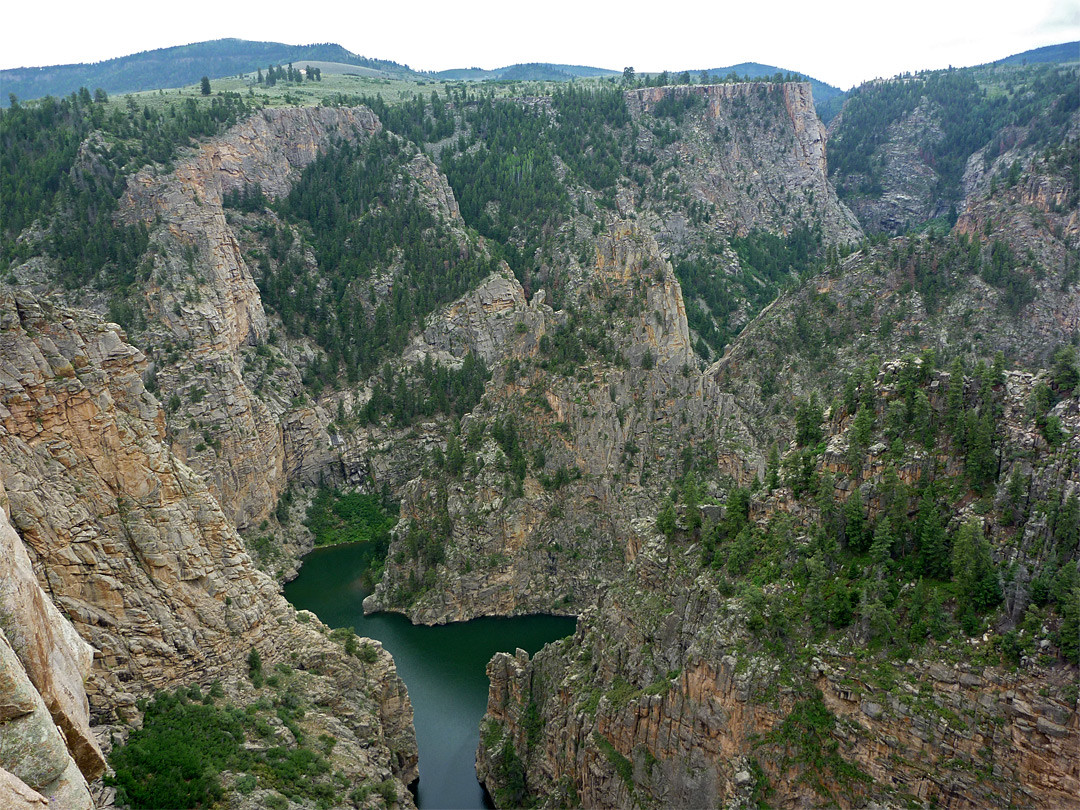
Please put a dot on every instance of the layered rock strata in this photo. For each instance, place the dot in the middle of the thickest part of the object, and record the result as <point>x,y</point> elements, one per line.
<point>130,544</point>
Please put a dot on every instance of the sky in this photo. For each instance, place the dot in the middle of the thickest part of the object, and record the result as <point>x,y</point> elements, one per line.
<point>842,43</point>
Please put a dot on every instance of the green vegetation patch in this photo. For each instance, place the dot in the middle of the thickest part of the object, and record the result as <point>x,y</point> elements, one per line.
<point>350,517</point>
<point>623,766</point>
<point>175,759</point>
<point>805,737</point>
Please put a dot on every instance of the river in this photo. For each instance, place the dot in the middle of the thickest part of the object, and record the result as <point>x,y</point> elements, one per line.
<point>443,667</point>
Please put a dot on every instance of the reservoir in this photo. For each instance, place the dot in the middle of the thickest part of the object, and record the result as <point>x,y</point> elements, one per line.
<point>443,667</point>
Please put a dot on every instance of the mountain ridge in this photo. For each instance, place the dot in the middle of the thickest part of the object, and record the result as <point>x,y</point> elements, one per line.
<point>176,66</point>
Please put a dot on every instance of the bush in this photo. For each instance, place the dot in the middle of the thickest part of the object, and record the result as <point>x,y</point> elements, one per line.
<point>173,761</point>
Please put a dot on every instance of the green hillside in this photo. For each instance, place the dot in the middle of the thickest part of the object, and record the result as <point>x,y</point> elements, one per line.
<point>531,71</point>
<point>175,67</point>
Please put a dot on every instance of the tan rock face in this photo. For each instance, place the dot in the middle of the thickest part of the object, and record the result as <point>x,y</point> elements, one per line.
<point>15,795</point>
<point>34,760</point>
<point>131,545</point>
<point>128,540</point>
<point>55,658</point>
<point>203,299</point>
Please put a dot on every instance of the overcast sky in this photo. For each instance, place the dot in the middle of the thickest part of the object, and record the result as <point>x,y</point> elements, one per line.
<point>843,42</point>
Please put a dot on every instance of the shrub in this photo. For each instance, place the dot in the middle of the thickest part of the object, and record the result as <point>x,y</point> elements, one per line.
<point>173,761</point>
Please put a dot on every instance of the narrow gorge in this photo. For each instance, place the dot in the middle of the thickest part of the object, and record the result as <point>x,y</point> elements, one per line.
<point>787,476</point>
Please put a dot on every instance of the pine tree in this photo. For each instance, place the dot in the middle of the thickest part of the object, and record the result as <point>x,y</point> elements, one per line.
<point>817,581</point>
<point>855,523</point>
<point>881,547</point>
<point>922,419</point>
<point>692,503</point>
<point>205,85</point>
<point>1067,524</point>
<point>977,586</point>
<point>455,456</point>
<point>933,543</point>
<point>772,469</point>
<point>954,400</point>
<point>863,427</point>
<point>665,518</point>
<point>981,462</point>
<point>808,422</point>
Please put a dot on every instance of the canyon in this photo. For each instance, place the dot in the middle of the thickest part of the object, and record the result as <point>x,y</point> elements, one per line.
<point>141,465</point>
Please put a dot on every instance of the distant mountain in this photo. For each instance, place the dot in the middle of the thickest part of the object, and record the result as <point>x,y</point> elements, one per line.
<point>174,67</point>
<point>827,99</point>
<point>1065,52</point>
<point>532,71</point>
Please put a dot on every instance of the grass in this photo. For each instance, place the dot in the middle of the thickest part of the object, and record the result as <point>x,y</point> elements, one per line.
<point>623,766</point>
<point>312,94</point>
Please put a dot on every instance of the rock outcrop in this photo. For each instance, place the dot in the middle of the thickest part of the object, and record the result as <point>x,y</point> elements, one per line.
<point>701,729</point>
<point>130,544</point>
<point>597,441</point>
<point>753,152</point>
<point>34,758</point>
<point>53,655</point>
<point>481,322</point>
<point>669,695</point>
<point>909,184</point>
<point>204,307</point>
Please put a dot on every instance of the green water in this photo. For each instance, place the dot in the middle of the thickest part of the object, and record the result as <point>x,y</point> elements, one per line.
<point>443,667</point>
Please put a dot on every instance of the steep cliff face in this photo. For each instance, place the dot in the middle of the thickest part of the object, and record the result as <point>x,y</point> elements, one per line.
<point>1005,280</point>
<point>679,688</point>
<point>36,768</point>
<point>580,430</point>
<point>910,186</point>
<point>47,750</point>
<point>754,153</point>
<point>900,146</point>
<point>706,726</point>
<point>132,547</point>
<point>55,658</point>
<point>204,307</point>
<point>1032,206</point>
<point>480,322</point>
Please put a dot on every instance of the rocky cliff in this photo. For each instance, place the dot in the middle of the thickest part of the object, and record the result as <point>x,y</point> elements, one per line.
<point>1004,280</point>
<point>902,145</point>
<point>203,306</point>
<point>754,153</point>
<point>131,545</point>
<point>581,429</point>
<point>910,185</point>
<point>685,687</point>
<point>45,735</point>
